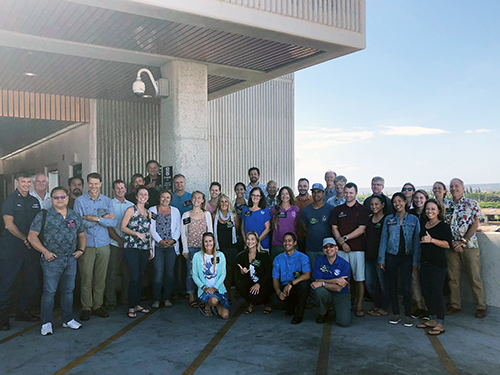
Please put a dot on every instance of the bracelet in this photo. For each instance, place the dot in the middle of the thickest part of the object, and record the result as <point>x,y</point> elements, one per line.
<point>81,250</point>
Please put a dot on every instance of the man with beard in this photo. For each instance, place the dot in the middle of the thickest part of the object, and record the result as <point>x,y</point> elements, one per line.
<point>136,181</point>
<point>254,175</point>
<point>75,190</point>
<point>302,200</point>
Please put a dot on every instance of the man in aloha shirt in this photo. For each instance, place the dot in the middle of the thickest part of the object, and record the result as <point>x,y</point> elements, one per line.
<point>463,215</point>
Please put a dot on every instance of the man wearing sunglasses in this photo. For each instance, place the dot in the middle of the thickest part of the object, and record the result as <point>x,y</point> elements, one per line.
<point>331,284</point>
<point>63,242</point>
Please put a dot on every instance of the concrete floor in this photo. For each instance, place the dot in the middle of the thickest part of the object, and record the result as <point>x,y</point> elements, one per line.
<point>170,340</point>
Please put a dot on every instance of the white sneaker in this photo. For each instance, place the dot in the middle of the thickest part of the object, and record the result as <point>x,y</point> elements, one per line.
<point>73,324</point>
<point>46,329</point>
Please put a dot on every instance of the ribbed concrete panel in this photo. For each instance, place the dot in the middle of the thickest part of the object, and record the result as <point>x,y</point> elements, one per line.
<point>253,127</point>
<point>344,14</point>
<point>127,137</point>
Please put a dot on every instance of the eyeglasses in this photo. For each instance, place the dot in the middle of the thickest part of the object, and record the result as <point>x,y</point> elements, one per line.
<point>56,197</point>
<point>408,189</point>
<point>329,246</point>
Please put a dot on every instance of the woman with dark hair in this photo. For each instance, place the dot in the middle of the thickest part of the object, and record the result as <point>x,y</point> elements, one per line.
<point>435,238</point>
<point>256,217</point>
<point>418,202</point>
<point>209,273</point>
<point>215,191</point>
<point>439,190</point>
<point>239,202</point>
<point>399,251</point>
<point>375,279</point>
<point>285,216</point>
<point>254,281</point>
<point>194,224</point>
<point>408,189</point>
<point>136,225</point>
<point>225,224</point>
<point>166,231</point>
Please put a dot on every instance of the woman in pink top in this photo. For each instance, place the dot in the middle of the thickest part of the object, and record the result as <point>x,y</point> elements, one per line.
<point>284,217</point>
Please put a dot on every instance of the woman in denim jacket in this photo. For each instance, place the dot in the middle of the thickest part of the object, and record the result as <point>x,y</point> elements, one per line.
<point>400,249</point>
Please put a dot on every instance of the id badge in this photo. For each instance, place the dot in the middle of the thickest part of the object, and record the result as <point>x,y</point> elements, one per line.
<point>101,212</point>
<point>297,274</point>
<point>187,203</point>
<point>71,223</point>
<point>186,221</point>
<point>229,224</point>
<point>256,263</point>
<point>248,213</point>
<point>282,215</point>
<point>215,260</point>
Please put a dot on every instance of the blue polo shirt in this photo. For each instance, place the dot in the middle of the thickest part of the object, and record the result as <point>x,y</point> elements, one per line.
<point>285,266</point>
<point>318,225</point>
<point>183,203</point>
<point>97,233</point>
<point>326,271</point>
<point>60,233</point>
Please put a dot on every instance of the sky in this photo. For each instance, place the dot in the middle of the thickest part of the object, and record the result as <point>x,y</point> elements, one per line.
<point>421,103</point>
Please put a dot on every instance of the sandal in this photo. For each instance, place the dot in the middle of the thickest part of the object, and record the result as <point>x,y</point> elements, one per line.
<point>249,309</point>
<point>131,314</point>
<point>141,309</point>
<point>360,313</point>
<point>267,310</point>
<point>436,332</point>
<point>424,326</point>
<point>205,312</point>
<point>374,312</point>
<point>193,304</point>
<point>383,313</point>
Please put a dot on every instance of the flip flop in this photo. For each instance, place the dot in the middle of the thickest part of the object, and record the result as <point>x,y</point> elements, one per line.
<point>267,310</point>
<point>423,326</point>
<point>193,304</point>
<point>436,332</point>
<point>360,313</point>
<point>141,310</point>
<point>249,309</point>
<point>373,312</point>
<point>205,312</point>
<point>131,314</point>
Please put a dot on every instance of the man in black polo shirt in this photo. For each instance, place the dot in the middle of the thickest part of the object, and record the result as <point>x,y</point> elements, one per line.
<point>349,222</point>
<point>16,256</point>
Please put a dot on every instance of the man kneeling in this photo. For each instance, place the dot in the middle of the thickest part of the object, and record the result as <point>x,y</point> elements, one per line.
<point>291,274</point>
<point>331,282</point>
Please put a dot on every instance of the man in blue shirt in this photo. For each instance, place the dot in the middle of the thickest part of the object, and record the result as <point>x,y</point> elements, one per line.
<point>98,215</point>
<point>331,282</point>
<point>61,242</point>
<point>254,175</point>
<point>291,274</point>
<point>181,200</point>
<point>330,185</point>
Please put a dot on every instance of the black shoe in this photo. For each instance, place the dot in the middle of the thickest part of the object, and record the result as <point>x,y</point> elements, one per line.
<point>4,326</point>
<point>296,320</point>
<point>85,315</point>
<point>100,312</point>
<point>26,316</point>
<point>418,313</point>
<point>321,319</point>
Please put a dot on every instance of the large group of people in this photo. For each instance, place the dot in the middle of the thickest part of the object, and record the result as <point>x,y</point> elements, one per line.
<point>321,249</point>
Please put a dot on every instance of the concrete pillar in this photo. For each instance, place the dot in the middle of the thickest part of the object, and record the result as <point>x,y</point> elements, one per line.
<point>183,124</point>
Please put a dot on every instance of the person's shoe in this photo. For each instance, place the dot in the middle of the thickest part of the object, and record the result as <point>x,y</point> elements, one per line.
<point>408,321</point>
<point>395,319</point>
<point>321,319</point>
<point>46,329</point>
<point>85,315</point>
<point>417,313</point>
<point>111,307</point>
<point>296,320</point>
<point>453,311</point>
<point>73,324</point>
<point>168,303</point>
<point>425,315</point>
<point>5,326</point>
<point>100,312</point>
<point>26,316</point>
<point>480,313</point>
<point>155,305</point>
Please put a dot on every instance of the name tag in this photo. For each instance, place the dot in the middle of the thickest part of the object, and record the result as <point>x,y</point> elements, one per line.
<point>187,203</point>
<point>297,274</point>
<point>101,211</point>
<point>378,226</point>
<point>324,268</point>
<point>186,221</point>
<point>216,260</point>
<point>248,213</point>
<point>313,221</point>
<point>282,215</point>
<point>256,263</point>
<point>229,224</point>
<point>154,216</point>
<point>449,211</point>
<point>71,223</point>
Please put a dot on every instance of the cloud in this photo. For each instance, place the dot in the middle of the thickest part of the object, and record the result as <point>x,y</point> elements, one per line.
<point>411,130</point>
<point>477,131</point>
<point>321,138</point>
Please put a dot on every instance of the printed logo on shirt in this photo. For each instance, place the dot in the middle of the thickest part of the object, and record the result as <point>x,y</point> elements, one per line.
<point>282,215</point>
<point>187,203</point>
<point>324,218</point>
<point>248,213</point>
<point>71,223</point>
<point>378,225</point>
<point>262,212</point>
<point>392,221</point>
<point>19,205</point>
<point>313,221</point>
<point>336,272</point>
<point>324,268</point>
<point>214,260</point>
<point>294,214</point>
<point>186,221</point>
<point>35,205</point>
<point>342,214</point>
<point>256,263</point>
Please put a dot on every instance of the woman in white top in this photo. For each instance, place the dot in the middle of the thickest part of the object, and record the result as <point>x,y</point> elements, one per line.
<point>194,224</point>
<point>166,231</point>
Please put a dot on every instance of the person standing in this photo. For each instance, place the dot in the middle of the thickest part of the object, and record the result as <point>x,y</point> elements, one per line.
<point>136,181</point>
<point>254,175</point>
<point>63,242</point>
<point>153,182</point>
<point>18,211</point>
<point>256,217</point>
<point>285,216</point>
<point>349,222</point>
<point>302,200</point>
<point>117,261</point>
<point>98,215</point>
<point>40,192</point>
<point>215,192</point>
<point>182,200</point>
<point>463,215</point>
<point>330,185</point>
<point>378,184</point>
<point>271,189</point>
<point>339,198</point>
<point>75,190</point>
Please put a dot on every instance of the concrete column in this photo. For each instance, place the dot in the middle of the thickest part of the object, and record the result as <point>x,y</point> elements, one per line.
<point>183,123</point>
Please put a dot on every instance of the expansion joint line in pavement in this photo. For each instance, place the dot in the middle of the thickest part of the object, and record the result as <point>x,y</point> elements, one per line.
<point>443,355</point>
<point>26,330</point>
<point>324,349</point>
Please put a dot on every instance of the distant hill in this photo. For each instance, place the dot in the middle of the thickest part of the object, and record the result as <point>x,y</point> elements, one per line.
<point>391,190</point>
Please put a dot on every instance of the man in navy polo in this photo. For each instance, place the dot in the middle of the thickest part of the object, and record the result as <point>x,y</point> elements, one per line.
<point>291,274</point>
<point>16,256</point>
<point>331,282</point>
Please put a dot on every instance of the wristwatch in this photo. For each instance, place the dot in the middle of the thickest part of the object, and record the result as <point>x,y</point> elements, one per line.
<point>344,238</point>
<point>290,283</point>
<point>324,283</point>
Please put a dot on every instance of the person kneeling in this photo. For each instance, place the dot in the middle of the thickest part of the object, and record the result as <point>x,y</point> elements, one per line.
<point>331,282</point>
<point>209,273</point>
<point>291,274</point>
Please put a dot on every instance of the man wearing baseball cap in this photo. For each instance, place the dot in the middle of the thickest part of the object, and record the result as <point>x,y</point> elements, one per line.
<point>331,284</point>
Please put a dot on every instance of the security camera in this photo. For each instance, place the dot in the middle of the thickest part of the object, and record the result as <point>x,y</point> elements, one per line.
<point>139,88</point>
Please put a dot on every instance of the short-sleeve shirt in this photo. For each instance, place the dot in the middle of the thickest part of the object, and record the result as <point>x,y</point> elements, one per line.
<point>250,187</point>
<point>460,216</point>
<point>318,225</point>
<point>301,203</point>
<point>288,268</point>
<point>60,235</point>
<point>348,219</point>
<point>323,270</point>
<point>23,209</point>
<point>256,220</point>
<point>286,223</point>
<point>120,209</point>
<point>432,253</point>
<point>183,203</point>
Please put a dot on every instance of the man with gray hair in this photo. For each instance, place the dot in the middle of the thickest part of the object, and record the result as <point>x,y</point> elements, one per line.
<point>463,215</point>
<point>272,189</point>
<point>339,184</point>
<point>40,192</point>
<point>330,185</point>
<point>378,184</point>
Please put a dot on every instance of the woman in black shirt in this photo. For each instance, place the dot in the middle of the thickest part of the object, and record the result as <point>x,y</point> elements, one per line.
<point>435,238</point>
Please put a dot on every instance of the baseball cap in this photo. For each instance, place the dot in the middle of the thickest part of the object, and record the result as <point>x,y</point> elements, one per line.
<point>329,240</point>
<point>318,186</point>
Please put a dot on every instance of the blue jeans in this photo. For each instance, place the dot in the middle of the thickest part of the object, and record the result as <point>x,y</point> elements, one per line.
<point>163,265</point>
<point>59,272</point>
<point>189,279</point>
<point>374,276</point>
